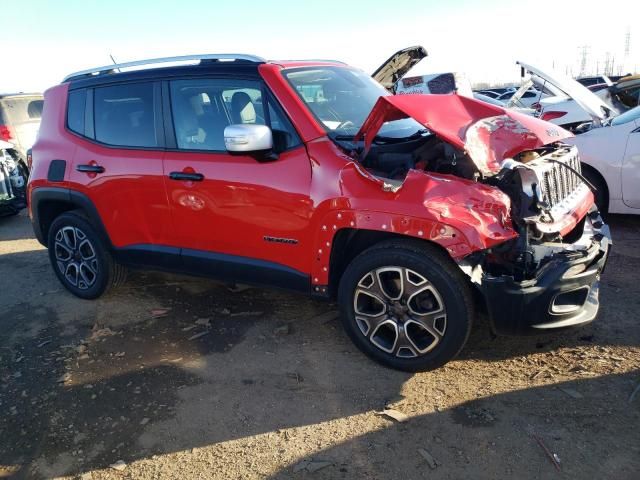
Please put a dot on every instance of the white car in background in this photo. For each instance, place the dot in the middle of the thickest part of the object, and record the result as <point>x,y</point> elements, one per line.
<point>20,120</point>
<point>392,75</point>
<point>610,157</point>
<point>572,103</point>
<point>498,103</point>
<point>526,100</point>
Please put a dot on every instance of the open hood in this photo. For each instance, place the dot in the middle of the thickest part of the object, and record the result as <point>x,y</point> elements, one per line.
<point>591,103</point>
<point>398,65</point>
<point>487,133</point>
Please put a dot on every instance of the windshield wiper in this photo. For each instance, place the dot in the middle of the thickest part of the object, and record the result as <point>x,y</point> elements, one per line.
<point>381,138</point>
<point>343,138</point>
<point>416,134</point>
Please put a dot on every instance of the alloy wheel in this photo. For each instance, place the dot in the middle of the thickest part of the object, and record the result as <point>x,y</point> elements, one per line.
<point>76,257</point>
<point>399,311</point>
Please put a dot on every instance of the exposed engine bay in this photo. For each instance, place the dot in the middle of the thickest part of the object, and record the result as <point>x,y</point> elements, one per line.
<point>13,183</point>
<point>544,185</point>
<point>392,160</point>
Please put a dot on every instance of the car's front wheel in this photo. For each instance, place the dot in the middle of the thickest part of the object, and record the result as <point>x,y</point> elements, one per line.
<point>406,305</point>
<point>81,261</point>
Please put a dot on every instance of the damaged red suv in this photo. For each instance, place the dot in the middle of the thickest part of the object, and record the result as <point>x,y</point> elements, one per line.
<point>413,211</point>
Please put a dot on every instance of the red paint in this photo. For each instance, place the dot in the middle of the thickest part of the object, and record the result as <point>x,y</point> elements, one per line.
<point>53,141</point>
<point>308,194</point>
<point>6,133</point>
<point>239,202</point>
<point>487,132</point>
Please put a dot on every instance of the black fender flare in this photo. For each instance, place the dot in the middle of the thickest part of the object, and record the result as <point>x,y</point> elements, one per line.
<point>75,200</point>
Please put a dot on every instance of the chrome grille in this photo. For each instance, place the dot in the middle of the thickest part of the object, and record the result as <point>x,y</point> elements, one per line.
<point>559,182</point>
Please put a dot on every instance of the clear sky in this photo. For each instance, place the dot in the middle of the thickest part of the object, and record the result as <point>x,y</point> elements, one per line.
<point>44,40</point>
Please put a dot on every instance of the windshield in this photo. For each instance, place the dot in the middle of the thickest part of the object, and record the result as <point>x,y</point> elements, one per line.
<point>341,99</point>
<point>628,116</point>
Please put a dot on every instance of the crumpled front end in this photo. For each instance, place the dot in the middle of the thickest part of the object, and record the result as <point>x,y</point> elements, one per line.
<point>562,291</point>
<point>545,275</point>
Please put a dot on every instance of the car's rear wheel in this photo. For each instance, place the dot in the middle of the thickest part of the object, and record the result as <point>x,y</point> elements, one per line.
<point>406,305</point>
<point>79,257</point>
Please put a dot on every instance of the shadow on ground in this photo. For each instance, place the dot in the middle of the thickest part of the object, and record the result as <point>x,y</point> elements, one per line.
<point>170,364</point>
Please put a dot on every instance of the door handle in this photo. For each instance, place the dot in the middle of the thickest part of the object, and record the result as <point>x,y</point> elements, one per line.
<point>90,168</point>
<point>186,177</point>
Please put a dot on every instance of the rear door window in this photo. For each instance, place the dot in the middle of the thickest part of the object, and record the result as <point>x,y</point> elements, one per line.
<point>124,115</point>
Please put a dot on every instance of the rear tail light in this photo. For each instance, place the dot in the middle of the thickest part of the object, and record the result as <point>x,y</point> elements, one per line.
<point>552,115</point>
<point>536,106</point>
<point>6,133</point>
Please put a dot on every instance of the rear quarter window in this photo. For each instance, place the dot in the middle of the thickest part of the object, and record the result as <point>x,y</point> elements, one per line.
<point>76,110</point>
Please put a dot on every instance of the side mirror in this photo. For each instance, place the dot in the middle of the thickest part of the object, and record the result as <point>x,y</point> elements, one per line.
<point>248,138</point>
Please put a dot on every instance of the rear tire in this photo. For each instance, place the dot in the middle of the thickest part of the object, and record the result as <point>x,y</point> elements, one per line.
<point>79,257</point>
<point>417,324</point>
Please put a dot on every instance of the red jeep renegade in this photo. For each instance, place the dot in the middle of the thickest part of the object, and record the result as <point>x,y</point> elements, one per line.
<point>412,211</point>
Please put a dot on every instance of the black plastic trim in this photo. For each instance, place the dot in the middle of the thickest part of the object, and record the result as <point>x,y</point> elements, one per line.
<point>167,116</point>
<point>75,200</point>
<point>186,177</point>
<point>245,270</point>
<point>229,268</point>
<point>158,120</point>
<point>151,256</point>
<point>525,308</point>
<point>56,170</point>
<point>90,168</point>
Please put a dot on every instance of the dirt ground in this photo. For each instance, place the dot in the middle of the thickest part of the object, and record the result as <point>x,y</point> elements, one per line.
<point>177,377</point>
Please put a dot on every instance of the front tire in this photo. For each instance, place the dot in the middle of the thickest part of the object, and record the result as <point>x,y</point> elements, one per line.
<point>406,305</point>
<point>79,257</point>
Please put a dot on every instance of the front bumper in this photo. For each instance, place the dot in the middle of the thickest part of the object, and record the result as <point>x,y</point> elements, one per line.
<point>563,294</point>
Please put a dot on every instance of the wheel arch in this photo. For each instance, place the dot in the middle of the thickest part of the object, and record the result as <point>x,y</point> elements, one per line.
<point>47,203</point>
<point>457,238</point>
<point>594,171</point>
<point>348,243</point>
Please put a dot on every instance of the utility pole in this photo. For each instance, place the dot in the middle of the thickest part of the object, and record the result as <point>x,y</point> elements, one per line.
<point>584,51</point>
<point>607,63</point>
<point>613,64</point>
<point>627,49</point>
